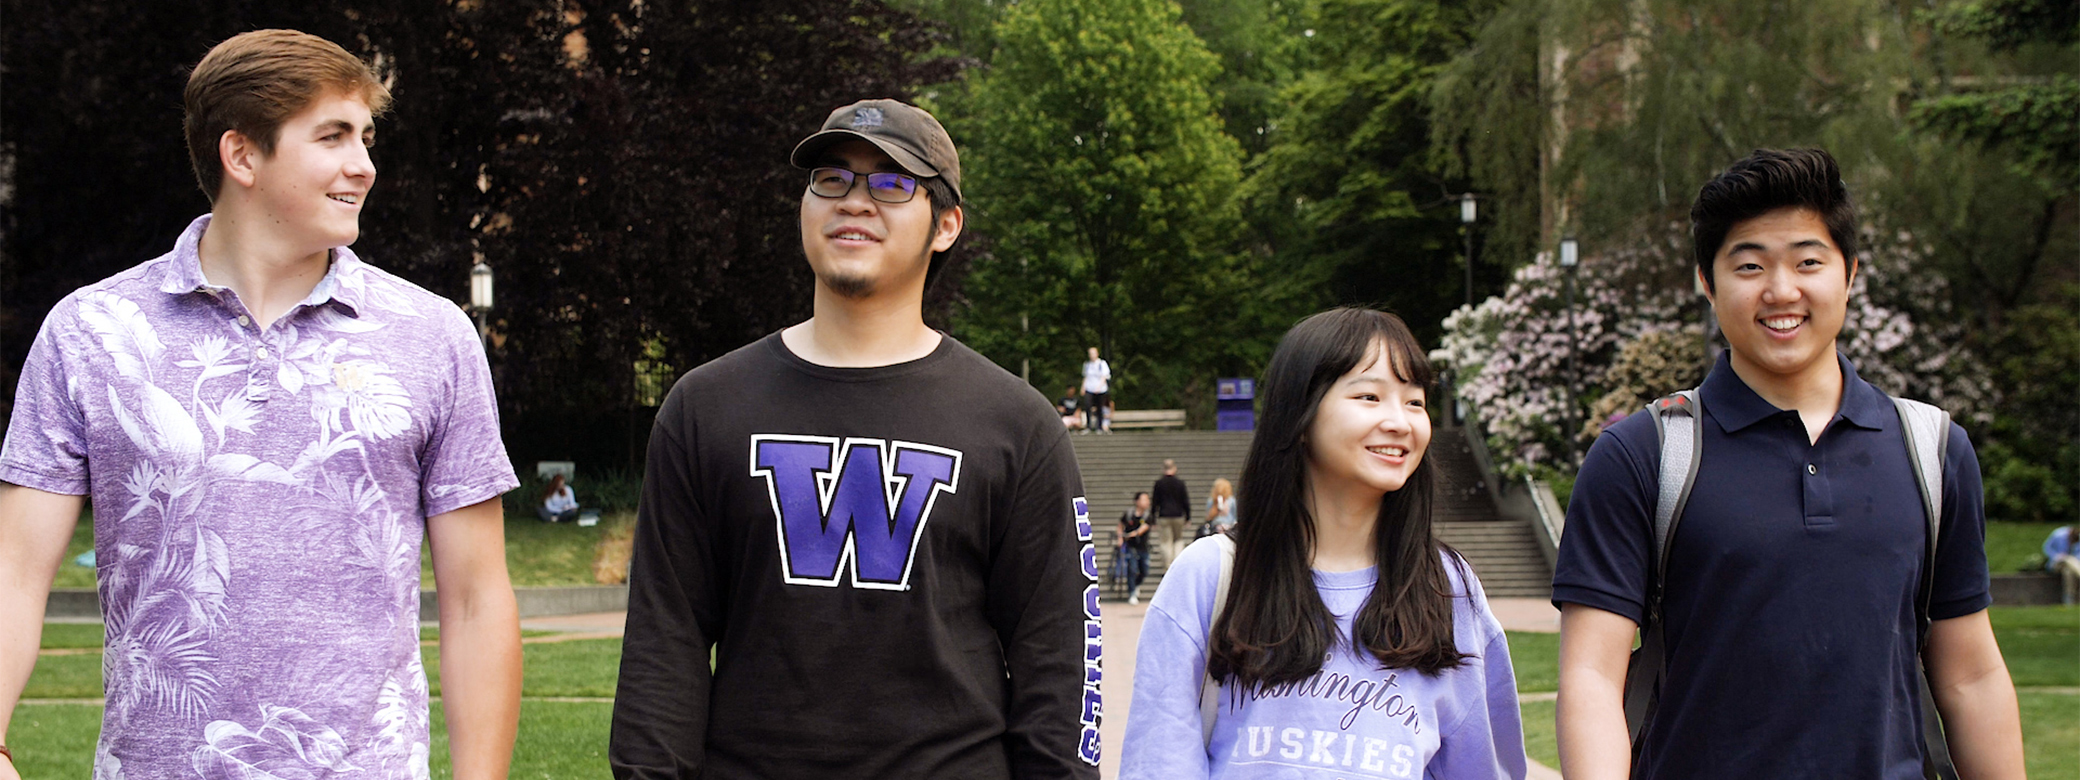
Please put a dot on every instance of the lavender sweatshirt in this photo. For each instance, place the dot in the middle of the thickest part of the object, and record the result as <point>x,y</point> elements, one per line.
<point>1352,720</point>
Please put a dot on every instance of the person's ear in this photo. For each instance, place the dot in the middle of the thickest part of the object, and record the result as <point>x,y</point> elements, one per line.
<point>949,228</point>
<point>1704,283</point>
<point>240,158</point>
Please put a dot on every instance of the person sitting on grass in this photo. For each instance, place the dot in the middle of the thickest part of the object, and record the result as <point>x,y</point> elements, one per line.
<point>559,504</point>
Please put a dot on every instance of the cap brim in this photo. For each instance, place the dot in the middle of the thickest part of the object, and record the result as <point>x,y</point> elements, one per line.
<point>804,155</point>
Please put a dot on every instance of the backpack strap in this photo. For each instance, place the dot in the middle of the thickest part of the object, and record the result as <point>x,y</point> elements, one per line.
<point>1926,429</point>
<point>1209,688</point>
<point>1679,424</point>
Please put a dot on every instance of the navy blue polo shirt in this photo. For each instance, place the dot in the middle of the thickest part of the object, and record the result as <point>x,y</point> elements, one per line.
<point>1792,581</point>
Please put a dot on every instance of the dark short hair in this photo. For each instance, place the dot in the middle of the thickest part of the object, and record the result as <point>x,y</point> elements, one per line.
<point>942,197</point>
<point>1765,181</point>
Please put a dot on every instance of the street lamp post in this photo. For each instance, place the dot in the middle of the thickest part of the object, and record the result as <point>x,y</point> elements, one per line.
<point>1570,256</point>
<point>1467,213</point>
<point>480,300</point>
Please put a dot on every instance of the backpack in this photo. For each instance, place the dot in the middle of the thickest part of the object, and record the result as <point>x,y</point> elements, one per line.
<point>1678,423</point>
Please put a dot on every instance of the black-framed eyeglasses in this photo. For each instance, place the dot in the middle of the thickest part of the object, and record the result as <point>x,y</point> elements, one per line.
<point>884,187</point>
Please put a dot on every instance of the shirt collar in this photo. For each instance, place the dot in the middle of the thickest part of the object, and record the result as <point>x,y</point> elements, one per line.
<point>1736,405</point>
<point>183,274</point>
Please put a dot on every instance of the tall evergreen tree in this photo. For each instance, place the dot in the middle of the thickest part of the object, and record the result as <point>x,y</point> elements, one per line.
<point>1101,170</point>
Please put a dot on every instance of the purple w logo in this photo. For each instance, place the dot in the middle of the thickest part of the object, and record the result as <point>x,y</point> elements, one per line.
<point>862,500</point>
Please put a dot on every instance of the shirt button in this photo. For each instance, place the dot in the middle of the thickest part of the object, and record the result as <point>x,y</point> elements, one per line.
<point>244,320</point>
<point>1812,469</point>
<point>260,354</point>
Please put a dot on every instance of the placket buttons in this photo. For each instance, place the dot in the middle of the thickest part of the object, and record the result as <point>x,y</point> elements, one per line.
<point>244,320</point>
<point>1812,469</point>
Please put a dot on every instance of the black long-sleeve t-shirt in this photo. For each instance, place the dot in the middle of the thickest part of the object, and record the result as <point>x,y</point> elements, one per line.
<point>892,564</point>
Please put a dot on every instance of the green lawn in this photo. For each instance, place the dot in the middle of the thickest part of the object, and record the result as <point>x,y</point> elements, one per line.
<point>1536,659</point>
<point>568,739</point>
<point>2041,644</point>
<point>2010,545</point>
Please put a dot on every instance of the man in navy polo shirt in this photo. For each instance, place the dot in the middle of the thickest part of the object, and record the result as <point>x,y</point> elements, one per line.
<point>1792,580</point>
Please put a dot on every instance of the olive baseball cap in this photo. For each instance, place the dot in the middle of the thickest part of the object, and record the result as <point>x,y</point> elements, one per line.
<point>907,133</point>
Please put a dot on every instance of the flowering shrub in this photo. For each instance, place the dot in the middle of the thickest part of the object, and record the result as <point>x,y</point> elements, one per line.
<point>1648,367</point>
<point>1509,354</point>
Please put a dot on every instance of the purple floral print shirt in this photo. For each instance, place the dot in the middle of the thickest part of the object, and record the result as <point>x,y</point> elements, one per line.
<point>259,501</point>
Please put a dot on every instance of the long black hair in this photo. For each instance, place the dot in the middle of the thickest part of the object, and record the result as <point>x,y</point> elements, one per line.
<point>1275,628</point>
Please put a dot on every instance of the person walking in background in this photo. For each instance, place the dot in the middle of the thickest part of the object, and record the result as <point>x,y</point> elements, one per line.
<point>1097,393</point>
<point>1332,637</point>
<point>559,504</point>
<point>1220,508</point>
<point>2062,556</point>
<point>1173,509</point>
<point>1796,596</point>
<point>1134,525</point>
<point>878,534</point>
<point>268,427</point>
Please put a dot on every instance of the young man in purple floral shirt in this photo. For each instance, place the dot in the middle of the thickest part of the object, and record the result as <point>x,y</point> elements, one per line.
<point>267,426</point>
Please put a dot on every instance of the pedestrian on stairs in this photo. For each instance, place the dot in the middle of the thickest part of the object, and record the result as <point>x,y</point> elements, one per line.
<point>1134,525</point>
<point>1173,510</point>
<point>1333,636</point>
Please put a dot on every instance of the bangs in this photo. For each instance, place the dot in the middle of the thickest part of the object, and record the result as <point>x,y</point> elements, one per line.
<point>1363,339</point>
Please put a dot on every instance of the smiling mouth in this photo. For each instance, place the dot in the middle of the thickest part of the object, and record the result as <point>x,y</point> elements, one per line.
<point>852,235</point>
<point>347,199</point>
<point>1783,323</point>
<point>1391,451</point>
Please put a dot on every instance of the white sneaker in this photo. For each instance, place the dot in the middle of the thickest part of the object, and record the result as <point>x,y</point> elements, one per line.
<point>1134,598</point>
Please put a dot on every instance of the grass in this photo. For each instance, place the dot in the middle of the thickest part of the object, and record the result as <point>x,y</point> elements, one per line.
<point>2010,546</point>
<point>2051,735</point>
<point>2041,644</point>
<point>1540,742</point>
<point>539,553</point>
<point>568,739</point>
<point>1536,659</point>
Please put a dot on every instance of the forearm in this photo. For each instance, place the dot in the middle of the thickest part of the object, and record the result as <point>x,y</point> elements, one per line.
<point>1593,739</point>
<point>21,608</point>
<point>34,527</point>
<point>1983,726</point>
<point>480,677</point>
<point>1590,712</point>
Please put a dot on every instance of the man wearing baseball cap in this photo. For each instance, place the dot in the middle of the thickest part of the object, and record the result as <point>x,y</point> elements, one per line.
<point>878,533</point>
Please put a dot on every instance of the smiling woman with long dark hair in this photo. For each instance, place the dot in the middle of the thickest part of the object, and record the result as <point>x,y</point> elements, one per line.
<point>1346,641</point>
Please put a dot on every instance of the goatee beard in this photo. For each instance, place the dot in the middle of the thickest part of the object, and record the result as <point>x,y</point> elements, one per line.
<point>853,287</point>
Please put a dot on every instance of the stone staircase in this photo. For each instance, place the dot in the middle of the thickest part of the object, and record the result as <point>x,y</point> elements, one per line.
<point>1116,466</point>
<point>1503,553</point>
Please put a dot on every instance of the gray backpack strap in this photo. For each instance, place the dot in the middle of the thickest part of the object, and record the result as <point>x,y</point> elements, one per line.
<point>1209,688</point>
<point>1926,429</point>
<point>1679,424</point>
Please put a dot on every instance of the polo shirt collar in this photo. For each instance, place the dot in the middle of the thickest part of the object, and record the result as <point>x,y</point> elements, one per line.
<point>1736,406</point>
<point>183,275</point>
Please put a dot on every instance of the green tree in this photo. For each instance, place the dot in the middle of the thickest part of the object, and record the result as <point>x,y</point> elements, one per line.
<point>1348,195</point>
<point>1097,164</point>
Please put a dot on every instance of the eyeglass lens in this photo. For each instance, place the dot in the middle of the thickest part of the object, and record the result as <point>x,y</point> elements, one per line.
<point>884,187</point>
